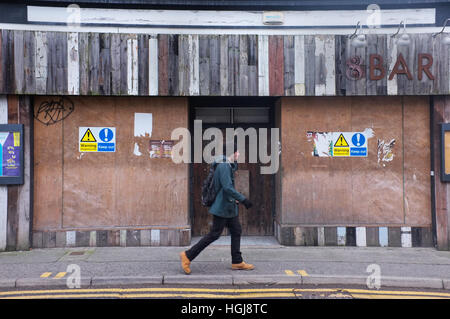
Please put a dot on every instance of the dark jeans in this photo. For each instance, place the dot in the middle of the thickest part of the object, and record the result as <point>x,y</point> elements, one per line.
<point>218,225</point>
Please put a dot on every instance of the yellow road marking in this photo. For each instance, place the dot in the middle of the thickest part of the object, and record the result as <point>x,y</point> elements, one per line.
<point>155,295</point>
<point>60,275</point>
<point>289,272</point>
<point>302,273</point>
<point>46,274</point>
<point>213,293</point>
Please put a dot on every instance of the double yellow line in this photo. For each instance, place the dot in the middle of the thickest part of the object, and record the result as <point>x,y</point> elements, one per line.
<point>218,293</point>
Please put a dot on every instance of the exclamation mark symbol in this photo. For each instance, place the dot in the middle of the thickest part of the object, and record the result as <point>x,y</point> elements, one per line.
<point>358,138</point>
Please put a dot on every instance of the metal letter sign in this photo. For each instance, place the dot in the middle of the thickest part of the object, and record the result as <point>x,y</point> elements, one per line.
<point>97,139</point>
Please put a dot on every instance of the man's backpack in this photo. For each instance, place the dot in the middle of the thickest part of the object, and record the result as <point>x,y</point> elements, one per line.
<point>208,189</point>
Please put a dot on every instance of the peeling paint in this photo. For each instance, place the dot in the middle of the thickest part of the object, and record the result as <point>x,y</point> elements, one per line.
<point>385,152</point>
<point>81,156</point>
<point>136,150</point>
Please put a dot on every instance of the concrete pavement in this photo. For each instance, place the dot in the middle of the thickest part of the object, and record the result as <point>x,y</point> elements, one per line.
<point>275,264</point>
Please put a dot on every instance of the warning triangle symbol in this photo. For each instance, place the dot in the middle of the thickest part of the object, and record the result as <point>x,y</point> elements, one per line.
<point>88,137</point>
<point>341,141</point>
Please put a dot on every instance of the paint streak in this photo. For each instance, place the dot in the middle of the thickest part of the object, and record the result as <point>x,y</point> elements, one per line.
<point>385,152</point>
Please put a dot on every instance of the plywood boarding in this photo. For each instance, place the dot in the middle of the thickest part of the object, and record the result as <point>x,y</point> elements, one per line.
<point>78,190</point>
<point>48,164</point>
<point>358,191</point>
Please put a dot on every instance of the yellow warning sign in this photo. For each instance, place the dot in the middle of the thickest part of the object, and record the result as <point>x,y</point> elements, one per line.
<point>341,141</point>
<point>341,151</point>
<point>88,137</point>
<point>88,147</point>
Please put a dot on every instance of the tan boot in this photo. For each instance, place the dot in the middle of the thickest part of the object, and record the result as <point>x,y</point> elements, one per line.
<point>242,266</point>
<point>185,262</point>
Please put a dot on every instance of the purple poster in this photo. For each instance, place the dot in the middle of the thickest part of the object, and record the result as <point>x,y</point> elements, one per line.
<point>10,154</point>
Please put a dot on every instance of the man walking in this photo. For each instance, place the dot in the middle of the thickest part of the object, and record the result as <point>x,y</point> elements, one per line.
<point>224,211</point>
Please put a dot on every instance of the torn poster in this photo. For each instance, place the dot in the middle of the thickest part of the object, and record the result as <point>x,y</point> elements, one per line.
<point>385,152</point>
<point>340,144</point>
<point>143,124</point>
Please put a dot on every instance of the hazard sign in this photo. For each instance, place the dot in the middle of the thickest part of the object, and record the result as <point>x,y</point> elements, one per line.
<point>97,139</point>
<point>349,144</point>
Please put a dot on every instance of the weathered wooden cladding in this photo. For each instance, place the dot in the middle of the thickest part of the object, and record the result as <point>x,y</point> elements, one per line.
<point>45,62</point>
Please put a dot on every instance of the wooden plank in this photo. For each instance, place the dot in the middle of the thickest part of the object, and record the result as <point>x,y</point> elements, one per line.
<point>392,85</point>
<point>163,56</point>
<point>276,65</point>
<point>330,65</point>
<point>372,238</point>
<point>73,64</point>
<point>242,84</point>
<point>299,65</point>
<point>289,65</point>
<point>51,63</point>
<point>214,65</point>
<point>115,58</point>
<point>61,62</point>
<point>104,79</point>
<point>29,62</point>
<point>132,66</point>
<point>320,72</point>
<point>252,65</point>
<point>204,64</point>
<point>382,50</point>
<point>2,66</point>
<point>233,64</point>
<point>441,65</point>
<point>224,65</point>
<point>394,237</point>
<point>153,65</point>
<point>143,64</point>
<point>94,58</point>
<point>173,68</point>
<point>310,65</point>
<point>83,52</point>
<point>340,54</point>
<point>330,236</point>
<point>124,63</point>
<point>3,188</point>
<point>194,77</point>
<point>18,62</point>
<point>263,65</point>
<point>183,65</point>
<point>24,200</point>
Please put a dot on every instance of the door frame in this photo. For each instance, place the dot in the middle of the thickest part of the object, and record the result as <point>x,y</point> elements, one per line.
<point>229,101</point>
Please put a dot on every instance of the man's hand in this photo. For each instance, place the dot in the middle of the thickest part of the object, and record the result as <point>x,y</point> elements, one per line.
<point>248,204</point>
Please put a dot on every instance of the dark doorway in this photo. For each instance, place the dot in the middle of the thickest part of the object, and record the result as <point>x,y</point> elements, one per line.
<point>259,188</point>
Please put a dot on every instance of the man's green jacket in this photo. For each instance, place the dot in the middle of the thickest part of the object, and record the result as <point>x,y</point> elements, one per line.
<point>225,203</point>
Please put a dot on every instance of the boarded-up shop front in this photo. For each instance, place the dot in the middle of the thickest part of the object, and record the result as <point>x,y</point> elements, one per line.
<point>83,87</point>
<point>379,199</point>
<point>110,198</point>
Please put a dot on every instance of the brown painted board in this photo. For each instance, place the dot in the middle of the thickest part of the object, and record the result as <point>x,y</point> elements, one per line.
<point>416,123</point>
<point>150,191</point>
<point>341,191</point>
<point>48,163</point>
<point>276,65</point>
<point>377,186</point>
